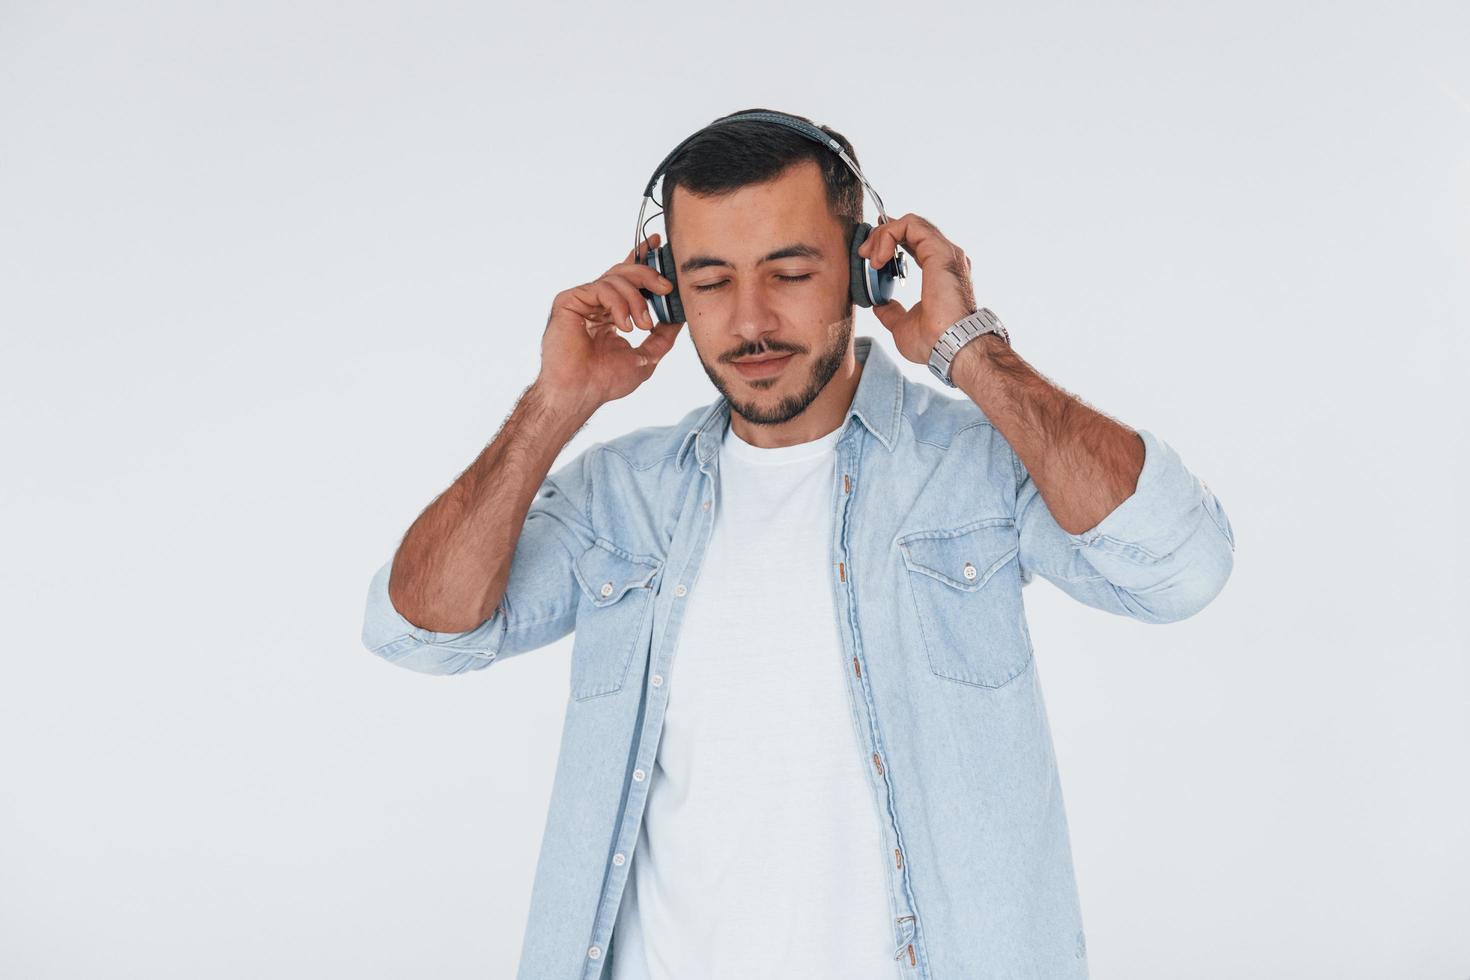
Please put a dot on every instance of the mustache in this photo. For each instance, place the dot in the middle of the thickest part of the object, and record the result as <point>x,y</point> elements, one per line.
<point>776,348</point>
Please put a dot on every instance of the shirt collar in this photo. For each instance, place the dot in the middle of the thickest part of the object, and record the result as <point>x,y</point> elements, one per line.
<point>877,403</point>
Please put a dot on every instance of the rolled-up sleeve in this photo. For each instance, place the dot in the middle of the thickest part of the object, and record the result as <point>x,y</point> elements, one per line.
<point>1160,556</point>
<point>540,601</point>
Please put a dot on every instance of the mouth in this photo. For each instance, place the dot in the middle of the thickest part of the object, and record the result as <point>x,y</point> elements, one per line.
<point>765,368</point>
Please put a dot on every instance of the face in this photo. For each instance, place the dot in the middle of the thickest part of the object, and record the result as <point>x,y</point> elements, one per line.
<point>763,273</point>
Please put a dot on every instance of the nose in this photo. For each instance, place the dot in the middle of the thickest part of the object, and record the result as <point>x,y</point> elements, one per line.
<point>752,316</point>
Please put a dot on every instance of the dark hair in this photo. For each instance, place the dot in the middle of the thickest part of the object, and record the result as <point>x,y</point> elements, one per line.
<point>732,155</point>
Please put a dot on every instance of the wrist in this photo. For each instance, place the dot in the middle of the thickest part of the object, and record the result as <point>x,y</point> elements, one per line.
<point>568,407</point>
<point>974,357</point>
<point>955,343</point>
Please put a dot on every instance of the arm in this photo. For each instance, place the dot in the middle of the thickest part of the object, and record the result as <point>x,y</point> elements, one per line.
<point>1084,463</point>
<point>450,571</point>
<point>485,570</point>
<point>1109,514</point>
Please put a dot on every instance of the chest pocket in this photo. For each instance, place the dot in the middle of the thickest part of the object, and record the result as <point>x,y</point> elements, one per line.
<point>613,617</point>
<point>966,585</point>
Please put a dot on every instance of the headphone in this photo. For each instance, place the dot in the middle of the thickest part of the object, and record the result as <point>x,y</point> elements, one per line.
<point>867,285</point>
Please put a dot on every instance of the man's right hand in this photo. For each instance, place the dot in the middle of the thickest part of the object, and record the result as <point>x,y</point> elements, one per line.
<point>585,360</point>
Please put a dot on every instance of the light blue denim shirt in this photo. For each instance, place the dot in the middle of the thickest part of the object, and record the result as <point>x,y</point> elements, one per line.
<point>938,528</point>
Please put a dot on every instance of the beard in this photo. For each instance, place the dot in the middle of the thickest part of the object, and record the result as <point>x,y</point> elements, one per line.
<point>828,360</point>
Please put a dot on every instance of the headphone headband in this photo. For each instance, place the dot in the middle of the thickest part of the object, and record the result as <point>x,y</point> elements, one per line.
<point>811,132</point>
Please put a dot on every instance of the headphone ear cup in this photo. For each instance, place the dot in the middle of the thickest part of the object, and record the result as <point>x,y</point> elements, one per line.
<point>857,285</point>
<point>667,307</point>
<point>873,285</point>
<point>666,269</point>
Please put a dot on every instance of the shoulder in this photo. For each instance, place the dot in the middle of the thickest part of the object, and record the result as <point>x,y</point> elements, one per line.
<point>938,418</point>
<point>649,446</point>
<point>947,443</point>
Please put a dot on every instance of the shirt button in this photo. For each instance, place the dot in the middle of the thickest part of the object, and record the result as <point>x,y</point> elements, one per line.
<point>606,589</point>
<point>657,679</point>
<point>618,859</point>
<point>679,590</point>
<point>638,775</point>
<point>594,952</point>
<point>969,573</point>
<point>705,505</point>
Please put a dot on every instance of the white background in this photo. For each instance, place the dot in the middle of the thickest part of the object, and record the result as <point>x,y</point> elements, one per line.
<point>272,274</point>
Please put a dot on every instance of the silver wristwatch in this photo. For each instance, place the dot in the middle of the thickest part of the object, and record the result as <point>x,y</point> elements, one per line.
<point>959,334</point>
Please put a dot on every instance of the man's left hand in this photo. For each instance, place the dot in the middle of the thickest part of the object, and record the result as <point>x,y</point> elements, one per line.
<point>945,294</point>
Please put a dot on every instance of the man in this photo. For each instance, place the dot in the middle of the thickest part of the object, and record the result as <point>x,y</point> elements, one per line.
<point>805,735</point>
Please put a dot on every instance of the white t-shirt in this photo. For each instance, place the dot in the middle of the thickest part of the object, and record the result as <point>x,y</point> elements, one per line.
<point>761,852</point>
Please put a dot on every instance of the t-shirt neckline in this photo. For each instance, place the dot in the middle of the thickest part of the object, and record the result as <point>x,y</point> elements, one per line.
<point>760,455</point>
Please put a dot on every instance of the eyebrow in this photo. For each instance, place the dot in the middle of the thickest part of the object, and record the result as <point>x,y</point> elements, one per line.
<point>800,250</point>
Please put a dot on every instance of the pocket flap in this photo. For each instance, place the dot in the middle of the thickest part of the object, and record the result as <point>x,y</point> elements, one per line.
<point>965,557</point>
<point>606,574</point>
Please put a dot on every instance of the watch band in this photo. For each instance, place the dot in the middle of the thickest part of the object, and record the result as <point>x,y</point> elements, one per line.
<point>957,335</point>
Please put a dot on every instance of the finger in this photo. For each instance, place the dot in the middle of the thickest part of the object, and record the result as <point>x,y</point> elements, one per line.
<point>660,340</point>
<point>890,233</point>
<point>641,276</point>
<point>600,322</point>
<point>642,248</point>
<point>917,236</point>
<point>636,254</point>
<point>617,304</point>
<point>883,240</point>
<point>596,300</point>
<point>636,303</point>
<point>890,313</point>
<point>581,300</point>
<point>873,236</point>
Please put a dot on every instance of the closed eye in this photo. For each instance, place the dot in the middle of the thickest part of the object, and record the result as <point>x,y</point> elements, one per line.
<point>708,287</point>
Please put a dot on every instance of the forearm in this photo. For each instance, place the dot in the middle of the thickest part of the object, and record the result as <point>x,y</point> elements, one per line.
<point>1084,463</point>
<point>451,568</point>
